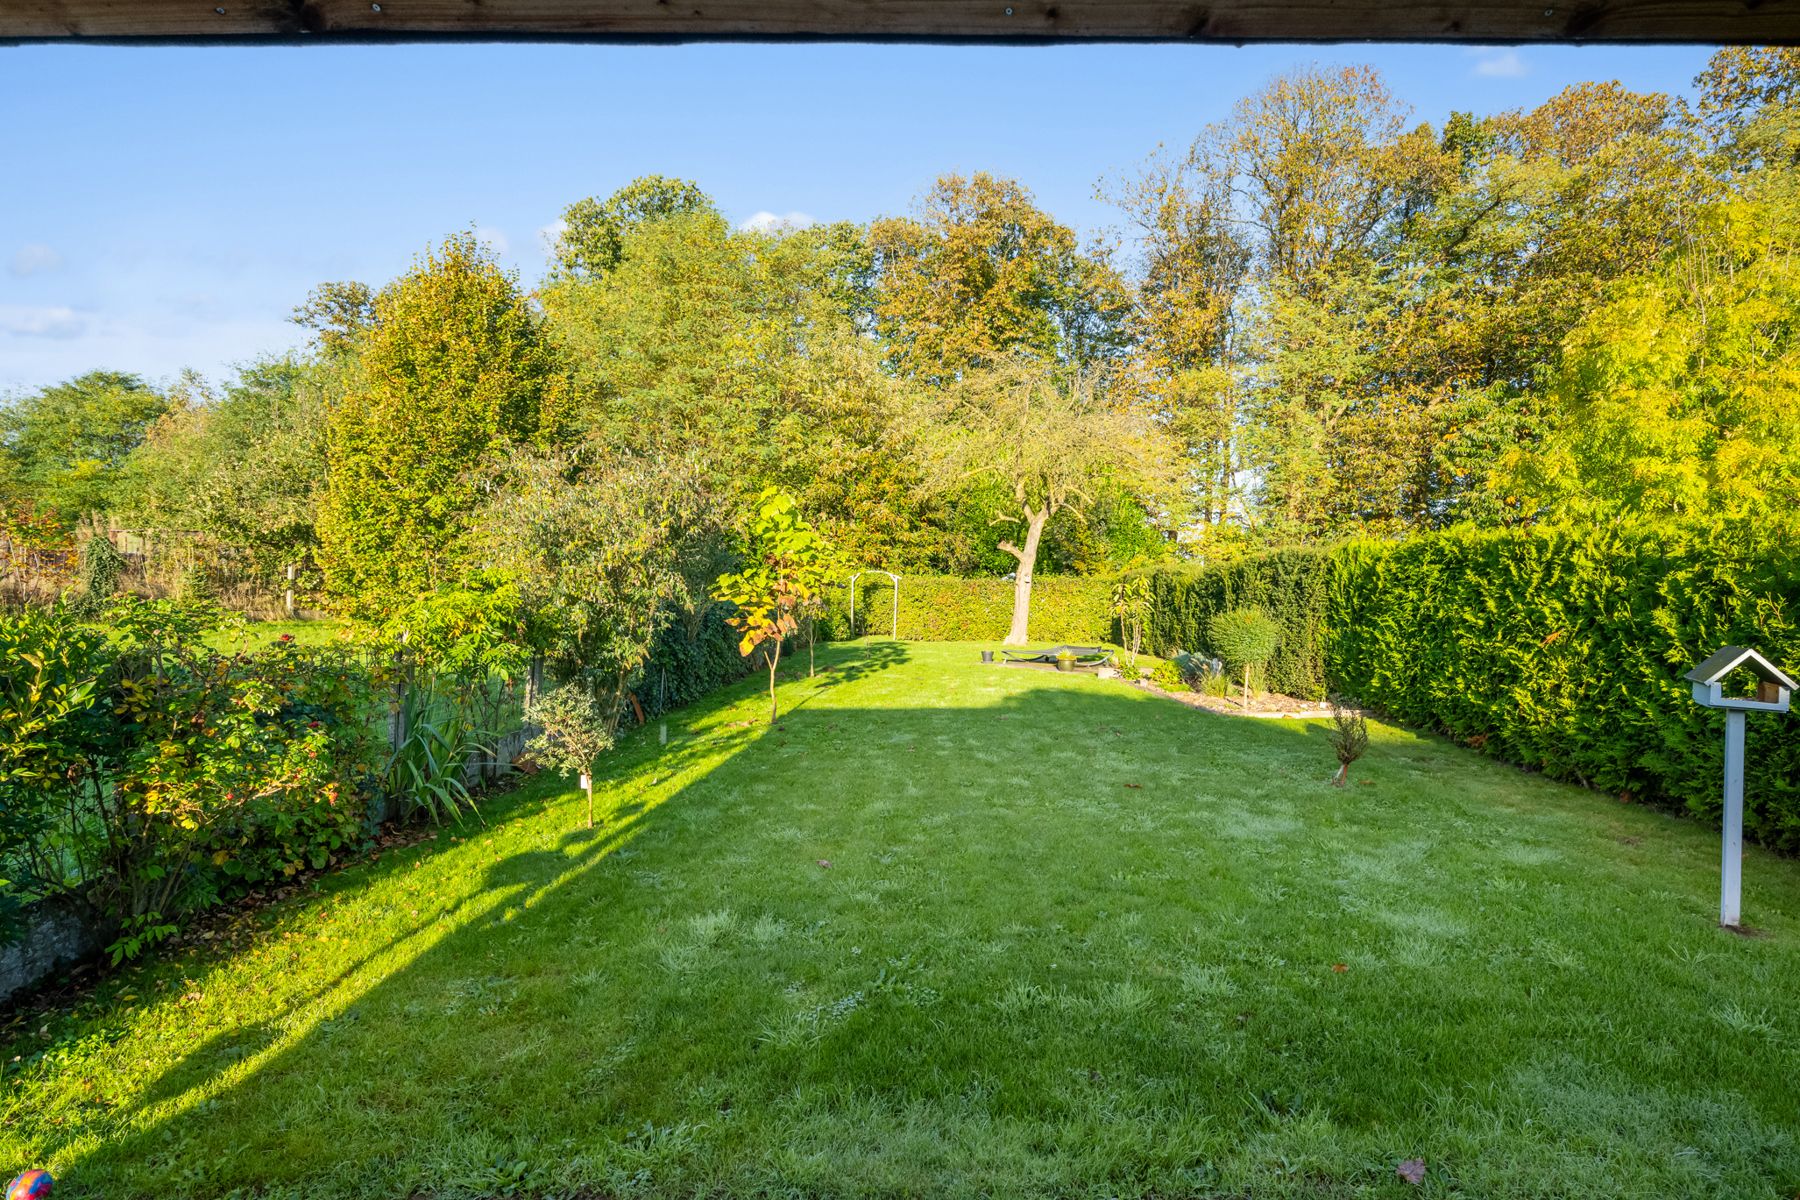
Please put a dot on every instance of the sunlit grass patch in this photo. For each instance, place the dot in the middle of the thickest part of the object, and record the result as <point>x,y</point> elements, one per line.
<point>899,945</point>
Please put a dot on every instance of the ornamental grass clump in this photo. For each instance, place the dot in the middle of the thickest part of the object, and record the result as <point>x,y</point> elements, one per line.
<point>1245,639</point>
<point>1349,734</point>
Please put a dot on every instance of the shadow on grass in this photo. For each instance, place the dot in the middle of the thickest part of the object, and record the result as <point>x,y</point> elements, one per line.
<point>1076,911</point>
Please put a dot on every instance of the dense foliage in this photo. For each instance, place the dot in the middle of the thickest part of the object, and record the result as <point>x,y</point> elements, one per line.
<point>1290,586</point>
<point>1563,650</point>
<point>454,368</point>
<point>941,608</point>
<point>147,775</point>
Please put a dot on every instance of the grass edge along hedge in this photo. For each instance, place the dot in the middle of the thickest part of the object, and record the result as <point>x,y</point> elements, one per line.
<point>1563,651</point>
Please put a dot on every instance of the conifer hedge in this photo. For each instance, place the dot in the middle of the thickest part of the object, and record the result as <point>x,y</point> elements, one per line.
<point>1564,650</point>
<point>1289,585</point>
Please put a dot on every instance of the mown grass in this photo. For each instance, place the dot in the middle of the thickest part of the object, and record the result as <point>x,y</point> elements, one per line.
<point>949,930</point>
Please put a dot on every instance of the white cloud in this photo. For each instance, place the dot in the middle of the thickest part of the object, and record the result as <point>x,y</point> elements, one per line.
<point>49,321</point>
<point>550,234</point>
<point>1499,63</point>
<point>32,258</point>
<point>768,222</point>
<point>495,239</point>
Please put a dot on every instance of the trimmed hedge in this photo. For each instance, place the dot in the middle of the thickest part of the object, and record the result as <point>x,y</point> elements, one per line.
<point>1564,651</point>
<point>944,608</point>
<point>690,660</point>
<point>1289,585</point>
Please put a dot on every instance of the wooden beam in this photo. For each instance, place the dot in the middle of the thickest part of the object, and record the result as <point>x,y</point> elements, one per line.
<point>303,21</point>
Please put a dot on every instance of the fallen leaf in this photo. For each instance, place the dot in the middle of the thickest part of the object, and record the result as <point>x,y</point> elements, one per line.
<point>1134,785</point>
<point>1340,968</point>
<point>1412,1170</point>
<point>826,863</point>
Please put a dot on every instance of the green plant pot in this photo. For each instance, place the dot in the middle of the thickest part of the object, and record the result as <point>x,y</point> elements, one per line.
<point>1065,664</point>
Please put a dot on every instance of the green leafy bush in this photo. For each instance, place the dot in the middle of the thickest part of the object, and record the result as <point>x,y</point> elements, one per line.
<point>1563,650</point>
<point>1077,609</point>
<point>1245,638</point>
<point>102,567</point>
<point>690,658</point>
<point>573,732</point>
<point>1290,585</point>
<point>1167,675</point>
<point>149,775</point>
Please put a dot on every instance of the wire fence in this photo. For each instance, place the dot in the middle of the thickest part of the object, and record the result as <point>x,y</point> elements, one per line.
<point>40,563</point>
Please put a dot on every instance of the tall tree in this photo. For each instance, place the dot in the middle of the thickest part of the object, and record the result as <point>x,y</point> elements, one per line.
<point>592,238</point>
<point>64,445</point>
<point>1675,398</point>
<point>1193,261</point>
<point>745,350</point>
<point>981,273</point>
<point>454,368</point>
<point>245,466</point>
<point>1051,436</point>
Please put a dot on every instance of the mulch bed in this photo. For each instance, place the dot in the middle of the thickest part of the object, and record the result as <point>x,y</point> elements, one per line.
<point>1270,705</point>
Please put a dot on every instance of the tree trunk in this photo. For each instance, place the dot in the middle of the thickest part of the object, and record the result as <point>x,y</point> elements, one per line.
<point>1020,633</point>
<point>774,661</point>
<point>1342,777</point>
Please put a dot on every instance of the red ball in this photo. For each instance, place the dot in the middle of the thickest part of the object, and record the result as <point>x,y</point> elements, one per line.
<point>32,1185</point>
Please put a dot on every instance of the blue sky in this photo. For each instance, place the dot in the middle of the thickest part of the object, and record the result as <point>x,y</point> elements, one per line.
<point>166,207</point>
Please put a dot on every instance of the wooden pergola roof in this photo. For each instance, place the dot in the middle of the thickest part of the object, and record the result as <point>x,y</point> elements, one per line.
<point>1025,21</point>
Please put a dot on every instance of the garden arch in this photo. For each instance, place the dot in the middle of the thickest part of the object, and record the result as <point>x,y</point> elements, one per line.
<point>896,581</point>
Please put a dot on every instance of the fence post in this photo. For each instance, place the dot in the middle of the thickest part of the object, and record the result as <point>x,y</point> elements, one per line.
<point>397,730</point>
<point>287,600</point>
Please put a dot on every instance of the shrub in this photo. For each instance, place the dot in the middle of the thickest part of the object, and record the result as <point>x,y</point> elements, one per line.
<point>1199,673</point>
<point>102,567</point>
<point>1245,638</point>
<point>1563,650</point>
<point>1292,586</point>
<point>1167,675</point>
<point>160,775</point>
<point>1349,736</point>
<point>573,733</point>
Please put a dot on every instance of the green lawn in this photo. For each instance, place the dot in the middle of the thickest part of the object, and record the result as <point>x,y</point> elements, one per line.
<point>961,931</point>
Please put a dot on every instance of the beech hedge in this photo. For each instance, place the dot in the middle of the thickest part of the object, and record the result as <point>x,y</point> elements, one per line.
<point>1564,651</point>
<point>944,608</point>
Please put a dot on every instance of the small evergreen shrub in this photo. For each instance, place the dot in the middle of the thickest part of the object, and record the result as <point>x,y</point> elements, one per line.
<point>102,567</point>
<point>1245,638</point>
<point>1292,586</point>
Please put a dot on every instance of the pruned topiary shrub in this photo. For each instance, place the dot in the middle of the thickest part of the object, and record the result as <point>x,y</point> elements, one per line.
<point>1245,638</point>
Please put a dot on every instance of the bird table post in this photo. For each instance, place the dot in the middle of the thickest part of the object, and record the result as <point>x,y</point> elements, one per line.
<point>1773,688</point>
